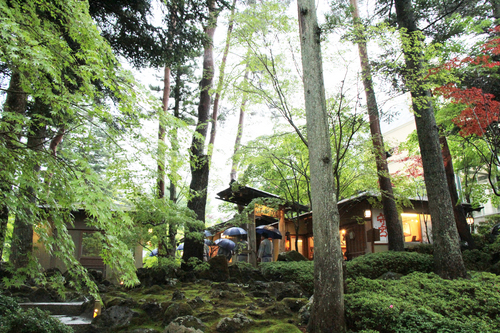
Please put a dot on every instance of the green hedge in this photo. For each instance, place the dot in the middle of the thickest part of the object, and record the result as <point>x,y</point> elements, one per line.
<point>373,265</point>
<point>300,272</point>
<point>423,302</point>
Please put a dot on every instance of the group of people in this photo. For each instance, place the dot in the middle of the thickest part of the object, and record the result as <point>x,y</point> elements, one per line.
<point>264,254</point>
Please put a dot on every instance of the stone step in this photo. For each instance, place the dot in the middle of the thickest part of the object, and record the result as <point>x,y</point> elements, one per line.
<point>57,308</point>
<point>77,323</point>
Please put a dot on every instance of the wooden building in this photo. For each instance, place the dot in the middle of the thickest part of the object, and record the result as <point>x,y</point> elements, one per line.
<point>87,247</point>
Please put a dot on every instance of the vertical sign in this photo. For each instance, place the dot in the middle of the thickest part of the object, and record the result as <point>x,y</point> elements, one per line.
<point>378,220</point>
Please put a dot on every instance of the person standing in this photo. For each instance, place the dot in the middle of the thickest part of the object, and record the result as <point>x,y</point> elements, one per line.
<point>265,253</point>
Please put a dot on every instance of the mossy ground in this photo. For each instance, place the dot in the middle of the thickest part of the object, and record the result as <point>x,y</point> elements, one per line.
<point>217,304</point>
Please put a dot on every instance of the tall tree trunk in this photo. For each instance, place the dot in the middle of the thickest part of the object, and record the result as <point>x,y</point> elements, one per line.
<point>447,256</point>
<point>161,133</point>
<point>327,314</point>
<point>239,133</point>
<point>172,228</point>
<point>15,102</point>
<point>199,162</point>
<point>458,211</point>
<point>22,236</point>
<point>394,226</point>
<point>220,84</point>
<point>162,241</point>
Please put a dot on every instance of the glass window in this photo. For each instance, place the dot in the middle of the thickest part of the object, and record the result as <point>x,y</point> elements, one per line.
<point>411,227</point>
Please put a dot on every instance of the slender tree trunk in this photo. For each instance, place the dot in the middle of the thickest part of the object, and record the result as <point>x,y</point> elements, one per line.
<point>220,84</point>
<point>200,167</point>
<point>172,228</point>
<point>327,313</point>
<point>394,227</point>
<point>161,133</point>
<point>447,256</point>
<point>15,102</point>
<point>458,211</point>
<point>239,133</point>
<point>22,236</point>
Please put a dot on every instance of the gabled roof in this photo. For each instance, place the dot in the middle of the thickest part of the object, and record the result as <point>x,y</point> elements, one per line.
<point>243,195</point>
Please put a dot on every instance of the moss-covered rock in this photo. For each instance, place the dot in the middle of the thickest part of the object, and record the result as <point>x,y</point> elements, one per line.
<point>178,309</point>
<point>291,256</point>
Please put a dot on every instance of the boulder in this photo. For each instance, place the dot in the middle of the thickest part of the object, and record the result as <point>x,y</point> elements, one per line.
<point>178,295</point>
<point>305,311</point>
<point>291,256</point>
<point>175,310</point>
<point>190,321</point>
<point>197,302</point>
<point>230,325</point>
<point>295,304</point>
<point>278,310</point>
<point>218,270</point>
<point>280,290</point>
<point>113,318</point>
<point>176,328</point>
<point>153,309</point>
<point>154,276</point>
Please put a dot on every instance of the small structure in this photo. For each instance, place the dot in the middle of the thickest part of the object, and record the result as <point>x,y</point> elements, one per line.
<point>242,196</point>
<point>87,247</point>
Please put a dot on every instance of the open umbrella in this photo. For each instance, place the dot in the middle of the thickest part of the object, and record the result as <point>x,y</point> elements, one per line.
<point>272,232</point>
<point>207,233</point>
<point>225,243</point>
<point>234,231</point>
<point>181,245</point>
<point>154,253</point>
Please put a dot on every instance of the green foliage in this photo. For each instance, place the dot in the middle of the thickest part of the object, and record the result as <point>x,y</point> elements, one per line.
<point>423,302</point>
<point>300,272</point>
<point>373,265</point>
<point>476,260</point>
<point>421,248</point>
<point>15,320</point>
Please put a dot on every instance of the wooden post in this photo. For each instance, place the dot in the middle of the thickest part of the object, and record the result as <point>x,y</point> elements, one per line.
<point>282,229</point>
<point>252,242</point>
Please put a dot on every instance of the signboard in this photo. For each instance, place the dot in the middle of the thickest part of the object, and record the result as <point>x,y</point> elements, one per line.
<point>378,220</point>
<point>264,210</point>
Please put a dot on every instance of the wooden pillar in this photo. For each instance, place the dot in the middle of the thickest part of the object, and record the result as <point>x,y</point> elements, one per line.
<point>252,241</point>
<point>282,229</point>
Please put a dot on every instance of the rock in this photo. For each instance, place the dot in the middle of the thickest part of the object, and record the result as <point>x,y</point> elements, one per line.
<point>390,276</point>
<point>278,310</point>
<point>175,310</point>
<point>244,274</point>
<point>113,318</point>
<point>177,296</point>
<point>197,302</point>
<point>295,304</point>
<point>305,311</point>
<point>281,290</point>
<point>190,321</point>
<point>153,310</point>
<point>96,275</point>
<point>218,270</point>
<point>291,256</point>
<point>154,290</point>
<point>44,295</point>
<point>209,315</point>
<point>144,330</point>
<point>154,276</point>
<point>176,328</point>
<point>230,325</point>
<point>225,294</point>
<point>119,301</point>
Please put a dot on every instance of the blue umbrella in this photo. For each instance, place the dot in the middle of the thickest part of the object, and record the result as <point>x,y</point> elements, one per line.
<point>225,243</point>
<point>272,232</point>
<point>235,231</point>
<point>207,233</point>
<point>154,253</point>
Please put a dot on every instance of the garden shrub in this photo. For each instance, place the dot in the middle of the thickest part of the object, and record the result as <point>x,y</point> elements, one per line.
<point>476,260</point>
<point>373,265</point>
<point>423,302</point>
<point>421,248</point>
<point>15,320</point>
<point>300,272</point>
